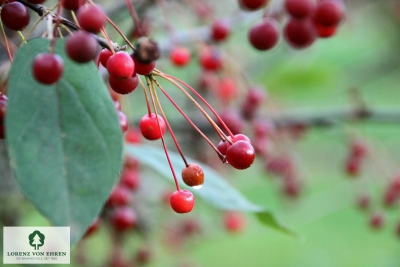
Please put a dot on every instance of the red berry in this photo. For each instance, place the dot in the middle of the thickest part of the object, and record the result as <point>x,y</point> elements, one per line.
<point>81,47</point>
<point>193,175</point>
<point>117,105</point>
<point>329,12</point>
<point>130,179</point>
<point>143,68</point>
<point>353,166</point>
<point>123,121</point>
<point>123,218</point>
<point>252,102</point>
<point>358,149</point>
<point>224,145</point>
<point>363,202</point>
<point>72,4</point>
<point>300,8</point>
<point>376,221</point>
<point>281,166</point>
<point>124,86</point>
<point>264,35</point>
<point>252,4</point>
<point>234,222</point>
<point>182,201</point>
<point>299,33</point>
<point>263,128</point>
<point>240,155</point>
<point>105,54</point>
<point>91,18</point>
<point>120,196</point>
<point>133,136</point>
<point>232,120</point>
<point>131,163</point>
<point>226,91</point>
<point>15,16</point>
<point>150,128</point>
<point>47,68</point>
<point>210,59</point>
<point>120,65</point>
<point>291,187</point>
<point>180,56</point>
<point>220,30</point>
<point>93,227</point>
<point>391,196</point>
<point>324,31</point>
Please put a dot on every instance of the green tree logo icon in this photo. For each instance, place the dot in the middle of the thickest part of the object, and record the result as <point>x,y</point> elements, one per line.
<point>36,239</point>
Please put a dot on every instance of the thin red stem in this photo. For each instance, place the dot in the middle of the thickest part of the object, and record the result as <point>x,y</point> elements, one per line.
<point>135,17</point>
<point>53,40</point>
<point>163,142</point>
<point>167,123</point>
<point>6,42</point>
<point>145,94</point>
<point>204,101</point>
<point>188,119</point>
<point>120,32</point>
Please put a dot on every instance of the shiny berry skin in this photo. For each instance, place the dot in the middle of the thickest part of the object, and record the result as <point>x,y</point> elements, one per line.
<point>150,128</point>
<point>123,121</point>
<point>120,196</point>
<point>300,9</point>
<point>252,4</point>
<point>264,35</point>
<point>329,12</point>
<point>143,68</point>
<point>220,30</point>
<point>72,4</point>
<point>130,179</point>
<point>91,18</point>
<point>234,222</point>
<point>120,65</point>
<point>105,54</point>
<point>193,175</point>
<point>182,201</point>
<point>47,68</point>
<point>15,16</point>
<point>240,155</point>
<point>224,145</point>
<point>299,33</point>
<point>81,47</point>
<point>180,56</point>
<point>123,219</point>
<point>124,86</point>
<point>210,59</point>
<point>325,31</point>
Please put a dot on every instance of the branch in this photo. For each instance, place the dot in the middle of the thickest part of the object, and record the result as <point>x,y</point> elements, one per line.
<point>41,10</point>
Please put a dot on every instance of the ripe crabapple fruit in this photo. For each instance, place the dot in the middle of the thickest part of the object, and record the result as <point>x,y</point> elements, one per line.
<point>182,201</point>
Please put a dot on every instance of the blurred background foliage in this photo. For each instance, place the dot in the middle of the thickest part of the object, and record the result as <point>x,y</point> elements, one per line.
<point>363,55</point>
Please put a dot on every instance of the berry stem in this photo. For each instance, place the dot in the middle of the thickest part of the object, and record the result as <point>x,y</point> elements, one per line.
<point>74,18</point>
<point>145,95</point>
<point>204,101</point>
<point>107,38</point>
<point>162,140</point>
<point>166,121</point>
<point>57,19</point>
<point>39,20</point>
<point>213,124</point>
<point>188,119</point>
<point>135,17</point>
<point>6,42</point>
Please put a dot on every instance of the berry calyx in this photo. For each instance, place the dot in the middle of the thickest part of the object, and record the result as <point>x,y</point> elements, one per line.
<point>300,8</point>
<point>47,68</point>
<point>123,219</point>
<point>180,56</point>
<point>193,175</point>
<point>220,30</point>
<point>15,16</point>
<point>149,127</point>
<point>120,65</point>
<point>240,155</point>
<point>264,35</point>
<point>124,86</point>
<point>81,47</point>
<point>182,201</point>
<point>91,18</point>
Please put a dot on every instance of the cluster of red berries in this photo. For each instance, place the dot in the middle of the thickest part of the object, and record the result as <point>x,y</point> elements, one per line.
<point>3,109</point>
<point>357,155</point>
<point>308,19</point>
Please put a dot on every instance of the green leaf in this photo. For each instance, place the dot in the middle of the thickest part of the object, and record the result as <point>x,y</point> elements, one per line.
<point>216,191</point>
<point>64,140</point>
